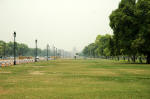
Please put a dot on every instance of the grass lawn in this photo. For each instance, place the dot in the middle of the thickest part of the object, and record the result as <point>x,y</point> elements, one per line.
<point>75,79</point>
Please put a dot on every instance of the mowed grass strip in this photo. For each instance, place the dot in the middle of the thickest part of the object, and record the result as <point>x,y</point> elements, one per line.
<point>75,79</point>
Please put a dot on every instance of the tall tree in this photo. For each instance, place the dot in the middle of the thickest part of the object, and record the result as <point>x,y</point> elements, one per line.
<point>131,26</point>
<point>142,40</point>
<point>123,22</point>
<point>99,48</point>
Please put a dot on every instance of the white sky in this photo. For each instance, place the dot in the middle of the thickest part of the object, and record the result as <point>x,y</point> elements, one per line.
<point>64,23</point>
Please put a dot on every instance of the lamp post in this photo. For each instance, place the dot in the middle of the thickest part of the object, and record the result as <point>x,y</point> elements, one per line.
<point>14,48</point>
<point>36,51</point>
<point>63,54</point>
<point>59,53</point>
<point>4,49</point>
<point>56,53</point>
<point>47,51</point>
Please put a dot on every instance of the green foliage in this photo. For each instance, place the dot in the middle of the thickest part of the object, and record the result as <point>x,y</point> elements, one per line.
<point>142,40</point>
<point>131,26</point>
<point>123,23</point>
<point>99,48</point>
<point>7,49</point>
<point>1,47</point>
<point>90,50</point>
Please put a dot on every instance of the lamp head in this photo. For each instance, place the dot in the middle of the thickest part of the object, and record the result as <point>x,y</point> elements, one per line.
<point>14,34</point>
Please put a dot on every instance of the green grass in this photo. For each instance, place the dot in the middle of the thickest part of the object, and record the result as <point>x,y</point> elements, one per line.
<point>75,79</point>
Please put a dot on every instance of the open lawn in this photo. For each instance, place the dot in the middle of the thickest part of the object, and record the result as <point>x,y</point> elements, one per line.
<point>75,79</point>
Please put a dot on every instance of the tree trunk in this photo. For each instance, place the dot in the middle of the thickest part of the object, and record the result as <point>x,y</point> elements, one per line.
<point>148,59</point>
<point>133,59</point>
<point>118,58</point>
<point>124,58</point>
<point>140,59</point>
<point>128,59</point>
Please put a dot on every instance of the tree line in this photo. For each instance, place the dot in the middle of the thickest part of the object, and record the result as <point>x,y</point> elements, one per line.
<point>7,50</point>
<point>99,48</point>
<point>130,23</point>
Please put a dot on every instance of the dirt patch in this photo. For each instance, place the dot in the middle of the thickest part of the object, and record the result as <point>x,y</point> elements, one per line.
<point>2,92</point>
<point>37,73</point>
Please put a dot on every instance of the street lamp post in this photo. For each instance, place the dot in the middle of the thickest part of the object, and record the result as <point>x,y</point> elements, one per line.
<point>59,53</point>
<point>56,53</point>
<point>36,51</point>
<point>14,48</point>
<point>63,54</point>
<point>47,51</point>
<point>4,49</point>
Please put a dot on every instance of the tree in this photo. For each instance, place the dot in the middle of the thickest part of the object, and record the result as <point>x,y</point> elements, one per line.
<point>142,40</point>
<point>2,48</point>
<point>131,26</point>
<point>111,47</point>
<point>123,22</point>
<point>90,50</point>
<point>21,49</point>
<point>99,48</point>
<point>102,42</point>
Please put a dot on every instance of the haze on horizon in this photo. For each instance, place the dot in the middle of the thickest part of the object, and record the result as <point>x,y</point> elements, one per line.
<point>63,23</point>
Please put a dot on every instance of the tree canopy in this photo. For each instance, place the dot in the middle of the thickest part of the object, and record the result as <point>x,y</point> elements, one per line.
<point>99,48</point>
<point>131,28</point>
<point>130,23</point>
<point>6,49</point>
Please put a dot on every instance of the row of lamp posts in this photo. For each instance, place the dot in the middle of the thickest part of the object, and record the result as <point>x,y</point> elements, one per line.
<point>15,49</point>
<point>55,50</point>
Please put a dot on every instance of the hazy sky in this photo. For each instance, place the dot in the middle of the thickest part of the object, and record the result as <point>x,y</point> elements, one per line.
<point>64,23</point>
